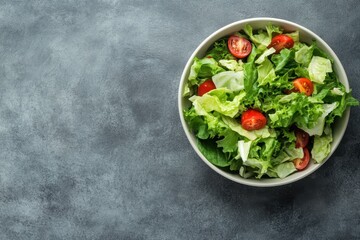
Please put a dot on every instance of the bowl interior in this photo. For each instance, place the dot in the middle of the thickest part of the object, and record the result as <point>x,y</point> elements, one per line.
<point>306,36</point>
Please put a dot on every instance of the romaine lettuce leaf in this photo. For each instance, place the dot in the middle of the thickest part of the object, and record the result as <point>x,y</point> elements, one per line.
<point>203,68</point>
<point>250,75</point>
<point>217,100</point>
<point>322,146</point>
<point>318,67</point>
<point>246,172</point>
<point>284,61</point>
<point>304,55</point>
<point>232,65</point>
<point>318,128</point>
<point>294,152</point>
<point>264,55</point>
<point>266,73</point>
<point>337,91</point>
<point>243,150</point>
<point>229,141</point>
<point>234,81</point>
<point>288,153</point>
<point>260,165</point>
<point>283,170</point>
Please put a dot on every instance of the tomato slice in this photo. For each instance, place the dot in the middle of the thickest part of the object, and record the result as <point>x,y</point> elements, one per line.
<point>303,85</point>
<point>239,47</point>
<point>302,138</point>
<point>280,42</point>
<point>205,87</point>
<point>301,163</point>
<point>252,120</point>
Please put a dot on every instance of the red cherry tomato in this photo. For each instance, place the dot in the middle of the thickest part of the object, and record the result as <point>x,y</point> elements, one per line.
<point>302,138</point>
<point>252,120</point>
<point>301,163</point>
<point>280,42</point>
<point>205,87</point>
<point>239,47</point>
<point>303,85</point>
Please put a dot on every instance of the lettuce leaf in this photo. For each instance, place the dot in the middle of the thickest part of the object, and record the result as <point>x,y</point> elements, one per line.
<point>220,51</point>
<point>233,81</point>
<point>266,73</point>
<point>318,67</point>
<point>203,68</point>
<point>250,75</point>
<point>262,38</point>
<point>232,65</point>
<point>264,55</point>
<point>294,108</point>
<point>229,142</point>
<point>318,128</point>
<point>304,55</point>
<point>283,170</point>
<point>212,153</point>
<point>346,100</point>
<point>250,135</point>
<point>217,100</point>
<point>196,123</point>
<point>294,35</point>
<point>260,165</point>
<point>243,150</point>
<point>284,61</point>
<point>322,146</point>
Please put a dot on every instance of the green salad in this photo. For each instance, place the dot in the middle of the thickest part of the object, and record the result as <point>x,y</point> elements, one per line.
<point>263,103</point>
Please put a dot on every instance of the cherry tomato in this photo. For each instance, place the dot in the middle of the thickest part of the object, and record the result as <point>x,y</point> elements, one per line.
<point>280,42</point>
<point>302,138</point>
<point>301,163</point>
<point>303,85</point>
<point>253,120</point>
<point>205,87</point>
<point>239,47</point>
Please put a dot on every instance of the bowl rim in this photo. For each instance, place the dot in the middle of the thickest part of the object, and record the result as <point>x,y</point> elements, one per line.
<point>262,182</point>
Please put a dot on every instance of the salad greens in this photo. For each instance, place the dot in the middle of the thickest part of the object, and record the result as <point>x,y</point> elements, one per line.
<point>264,80</point>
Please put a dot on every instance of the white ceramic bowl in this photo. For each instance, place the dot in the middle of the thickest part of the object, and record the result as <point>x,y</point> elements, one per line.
<point>305,36</point>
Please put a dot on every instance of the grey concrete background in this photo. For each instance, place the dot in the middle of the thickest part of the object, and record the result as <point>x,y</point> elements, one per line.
<point>91,145</point>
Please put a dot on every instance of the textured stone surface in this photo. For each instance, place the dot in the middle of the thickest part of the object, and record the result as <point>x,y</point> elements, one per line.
<point>91,145</point>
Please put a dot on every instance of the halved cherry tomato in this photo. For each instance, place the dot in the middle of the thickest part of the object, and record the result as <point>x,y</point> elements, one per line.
<point>205,87</point>
<point>280,42</point>
<point>252,120</point>
<point>301,163</point>
<point>239,47</point>
<point>302,138</point>
<point>303,85</point>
